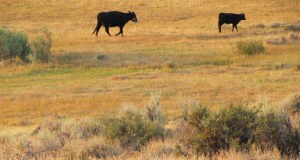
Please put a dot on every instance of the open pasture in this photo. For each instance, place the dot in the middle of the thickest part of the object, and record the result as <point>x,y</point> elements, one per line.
<point>175,49</point>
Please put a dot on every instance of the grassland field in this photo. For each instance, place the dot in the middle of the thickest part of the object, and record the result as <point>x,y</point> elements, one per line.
<point>174,49</point>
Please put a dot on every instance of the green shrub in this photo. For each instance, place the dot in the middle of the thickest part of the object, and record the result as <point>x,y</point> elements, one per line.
<point>239,124</point>
<point>187,106</point>
<point>295,28</point>
<point>132,129</point>
<point>42,46</point>
<point>14,44</point>
<point>199,116</point>
<point>276,129</point>
<point>250,47</point>
<point>231,127</point>
<point>208,138</point>
<point>239,128</point>
<point>101,57</point>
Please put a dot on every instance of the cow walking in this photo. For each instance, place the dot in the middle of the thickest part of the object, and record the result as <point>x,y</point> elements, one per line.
<point>113,19</point>
<point>230,18</point>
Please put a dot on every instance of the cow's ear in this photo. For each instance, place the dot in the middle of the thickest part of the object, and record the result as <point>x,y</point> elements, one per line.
<point>129,12</point>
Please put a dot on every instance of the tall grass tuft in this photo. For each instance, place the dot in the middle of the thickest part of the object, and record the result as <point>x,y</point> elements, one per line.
<point>250,47</point>
<point>42,46</point>
<point>153,109</point>
<point>95,147</point>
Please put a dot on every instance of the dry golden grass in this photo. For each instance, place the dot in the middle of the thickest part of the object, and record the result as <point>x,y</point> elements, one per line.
<point>180,32</point>
<point>161,23</point>
<point>31,97</point>
<point>175,49</point>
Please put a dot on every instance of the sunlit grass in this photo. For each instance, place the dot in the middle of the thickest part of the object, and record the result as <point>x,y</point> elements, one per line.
<point>206,65</point>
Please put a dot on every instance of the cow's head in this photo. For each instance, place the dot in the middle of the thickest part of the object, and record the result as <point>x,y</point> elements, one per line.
<point>132,16</point>
<point>242,16</point>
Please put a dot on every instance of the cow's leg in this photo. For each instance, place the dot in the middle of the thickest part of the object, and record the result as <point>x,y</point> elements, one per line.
<point>121,31</point>
<point>98,28</point>
<point>233,27</point>
<point>236,28</point>
<point>219,25</point>
<point>107,30</point>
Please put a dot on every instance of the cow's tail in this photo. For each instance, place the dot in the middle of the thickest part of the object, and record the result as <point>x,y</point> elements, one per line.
<point>98,26</point>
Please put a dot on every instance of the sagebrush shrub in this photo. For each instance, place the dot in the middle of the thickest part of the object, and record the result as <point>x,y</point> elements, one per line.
<point>208,138</point>
<point>14,44</point>
<point>240,123</point>
<point>101,57</point>
<point>153,109</point>
<point>187,106</point>
<point>239,128</point>
<point>132,129</point>
<point>199,116</point>
<point>250,47</point>
<point>230,127</point>
<point>89,127</point>
<point>276,129</point>
<point>42,46</point>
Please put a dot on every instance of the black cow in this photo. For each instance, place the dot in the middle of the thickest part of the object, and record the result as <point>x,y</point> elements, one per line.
<point>230,18</point>
<point>113,19</point>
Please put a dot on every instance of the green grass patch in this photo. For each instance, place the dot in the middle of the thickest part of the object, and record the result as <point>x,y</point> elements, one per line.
<point>250,47</point>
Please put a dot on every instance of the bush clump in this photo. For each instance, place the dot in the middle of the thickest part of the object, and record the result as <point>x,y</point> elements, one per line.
<point>276,129</point>
<point>295,28</point>
<point>101,57</point>
<point>231,127</point>
<point>133,129</point>
<point>250,47</point>
<point>14,44</point>
<point>239,124</point>
<point>239,128</point>
<point>42,46</point>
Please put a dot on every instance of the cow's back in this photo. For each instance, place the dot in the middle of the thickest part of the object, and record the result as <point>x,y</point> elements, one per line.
<point>228,17</point>
<point>113,18</point>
